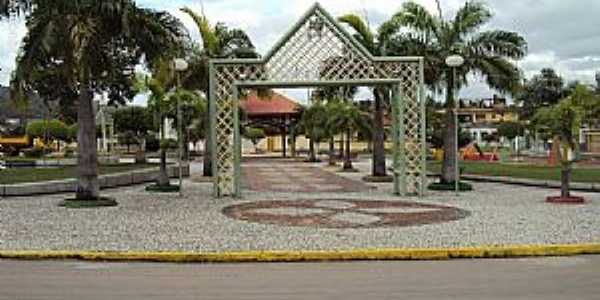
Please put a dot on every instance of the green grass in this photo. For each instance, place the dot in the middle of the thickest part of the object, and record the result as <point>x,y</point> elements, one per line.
<point>584,175</point>
<point>24,175</point>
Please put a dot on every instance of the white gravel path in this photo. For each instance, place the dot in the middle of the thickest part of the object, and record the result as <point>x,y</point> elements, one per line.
<point>500,215</point>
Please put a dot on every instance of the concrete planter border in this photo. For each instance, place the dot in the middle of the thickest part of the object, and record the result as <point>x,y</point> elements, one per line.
<point>70,185</point>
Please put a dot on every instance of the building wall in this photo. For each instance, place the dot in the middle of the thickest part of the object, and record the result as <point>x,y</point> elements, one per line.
<point>593,142</point>
<point>273,144</point>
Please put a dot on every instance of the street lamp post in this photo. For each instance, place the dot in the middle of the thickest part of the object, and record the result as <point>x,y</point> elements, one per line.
<point>455,61</point>
<point>180,66</point>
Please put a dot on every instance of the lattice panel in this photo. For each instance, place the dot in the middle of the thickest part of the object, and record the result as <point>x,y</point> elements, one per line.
<point>319,50</point>
<point>413,120</point>
<point>226,75</point>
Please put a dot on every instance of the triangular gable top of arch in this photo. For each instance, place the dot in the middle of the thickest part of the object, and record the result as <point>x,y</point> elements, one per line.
<point>329,21</point>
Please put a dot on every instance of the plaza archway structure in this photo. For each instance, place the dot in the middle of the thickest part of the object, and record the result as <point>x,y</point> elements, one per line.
<point>318,52</point>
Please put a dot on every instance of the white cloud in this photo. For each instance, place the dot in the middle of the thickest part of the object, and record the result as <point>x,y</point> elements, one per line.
<point>560,35</point>
<point>13,32</point>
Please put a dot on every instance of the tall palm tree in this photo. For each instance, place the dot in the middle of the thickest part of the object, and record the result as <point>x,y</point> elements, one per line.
<point>314,122</point>
<point>327,95</point>
<point>86,38</point>
<point>159,84</point>
<point>349,119</point>
<point>218,41</point>
<point>489,54</point>
<point>378,44</point>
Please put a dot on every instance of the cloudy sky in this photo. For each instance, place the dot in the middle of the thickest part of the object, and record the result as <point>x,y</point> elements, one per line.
<point>564,35</point>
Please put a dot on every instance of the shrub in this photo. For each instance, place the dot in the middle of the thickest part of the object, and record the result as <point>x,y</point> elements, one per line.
<point>152,143</point>
<point>168,144</point>
<point>35,152</point>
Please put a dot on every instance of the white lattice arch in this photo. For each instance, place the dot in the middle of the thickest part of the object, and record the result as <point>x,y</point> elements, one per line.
<point>318,51</point>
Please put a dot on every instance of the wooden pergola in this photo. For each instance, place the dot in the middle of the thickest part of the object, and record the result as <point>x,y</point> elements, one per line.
<point>273,110</point>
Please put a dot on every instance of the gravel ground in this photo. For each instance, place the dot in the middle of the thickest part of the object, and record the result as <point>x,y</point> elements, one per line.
<point>499,215</point>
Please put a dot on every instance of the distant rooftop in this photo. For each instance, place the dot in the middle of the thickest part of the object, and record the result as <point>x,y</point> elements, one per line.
<point>269,106</point>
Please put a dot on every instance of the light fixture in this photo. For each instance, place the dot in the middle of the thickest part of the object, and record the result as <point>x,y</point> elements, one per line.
<point>180,64</point>
<point>455,61</point>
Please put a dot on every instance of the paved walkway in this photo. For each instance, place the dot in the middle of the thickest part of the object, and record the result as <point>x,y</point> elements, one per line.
<point>541,278</point>
<point>493,214</point>
<point>290,175</point>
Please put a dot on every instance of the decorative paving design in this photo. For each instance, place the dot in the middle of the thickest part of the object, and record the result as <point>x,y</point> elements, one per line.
<point>272,176</point>
<point>339,213</point>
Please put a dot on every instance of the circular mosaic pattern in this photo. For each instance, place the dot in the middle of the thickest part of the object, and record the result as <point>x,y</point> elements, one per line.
<point>337,213</point>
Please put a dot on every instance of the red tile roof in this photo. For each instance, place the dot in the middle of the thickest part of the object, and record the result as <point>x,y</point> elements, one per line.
<point>276,105</point>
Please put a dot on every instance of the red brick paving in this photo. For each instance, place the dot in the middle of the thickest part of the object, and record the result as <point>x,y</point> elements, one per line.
<point>286,175</point>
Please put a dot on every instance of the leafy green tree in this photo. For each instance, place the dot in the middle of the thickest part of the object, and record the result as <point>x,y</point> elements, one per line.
<point>510,130</point>
<point>218,41</point>
<point>543,90</point>
<point>36,129</point>
<point>48,130</point>
<point>489,54</point>
<point>314,122</point>
<point>255,135</point>
<point>133,124</point>
<point>564,120</point>
<point>82,39</point>
<point>128,138</point>
<point>72,133</point>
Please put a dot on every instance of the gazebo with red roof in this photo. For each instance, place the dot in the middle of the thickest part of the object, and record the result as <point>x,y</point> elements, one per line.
<point>273,110</point>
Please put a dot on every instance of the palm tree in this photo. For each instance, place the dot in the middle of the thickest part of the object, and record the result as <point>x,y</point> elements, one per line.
<point>314,123</point>
<point>86,39</point>
<point>161,81</point>
<point>349,119</point>
<point>218,41</point>
<point>378,44</point>
<point>489,54</point>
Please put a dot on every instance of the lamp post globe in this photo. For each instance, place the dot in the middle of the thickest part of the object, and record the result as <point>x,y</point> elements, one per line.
<point>180,64</point>
<point>455,61</point>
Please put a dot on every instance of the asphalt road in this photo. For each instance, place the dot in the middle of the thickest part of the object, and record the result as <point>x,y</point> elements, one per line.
<point>544,278</point>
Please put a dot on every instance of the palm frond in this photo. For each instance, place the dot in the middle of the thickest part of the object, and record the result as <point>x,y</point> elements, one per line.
<point>362,31</point>
<point>208,35</point>
<point>497,43</point>
<point>499,73</point>
<point>417,18</point>
<point>469,18</point>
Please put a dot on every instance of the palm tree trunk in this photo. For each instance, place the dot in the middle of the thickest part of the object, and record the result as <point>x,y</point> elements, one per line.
<point>293,144</point>
<point>313,155</point>
<point>348,159</point>
<point>341,156</point>
<point>565,174</point>
<point>88,186</point>
<point>332,151</point>
<point>163,176</point>
<point>207,158</point>
<point>449,164</point>
<point>378,136</point>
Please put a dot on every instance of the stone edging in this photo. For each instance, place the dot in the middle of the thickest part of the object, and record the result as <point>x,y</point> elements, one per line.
<point>313,256</point>
<point>575,186</point>
<point>70,185</point>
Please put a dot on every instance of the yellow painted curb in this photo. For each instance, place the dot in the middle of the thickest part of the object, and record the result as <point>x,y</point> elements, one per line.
<point>308,256</point>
